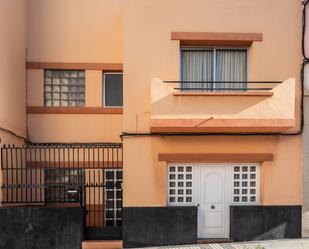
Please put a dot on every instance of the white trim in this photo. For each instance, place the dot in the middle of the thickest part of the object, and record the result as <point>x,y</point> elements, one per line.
<point>103,90</point>
<point>257,202</point>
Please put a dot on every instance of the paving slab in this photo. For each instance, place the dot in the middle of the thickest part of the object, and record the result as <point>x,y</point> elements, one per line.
<point>266,244</point>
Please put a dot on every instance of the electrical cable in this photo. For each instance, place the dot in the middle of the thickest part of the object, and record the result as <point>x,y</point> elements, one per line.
<point>14,134</point>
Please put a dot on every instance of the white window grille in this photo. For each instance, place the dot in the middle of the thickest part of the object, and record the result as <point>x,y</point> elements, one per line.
<point>180,185</point>
<point>245,184</point>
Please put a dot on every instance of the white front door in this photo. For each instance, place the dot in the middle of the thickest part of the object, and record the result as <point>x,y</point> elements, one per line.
<point>212,202</point>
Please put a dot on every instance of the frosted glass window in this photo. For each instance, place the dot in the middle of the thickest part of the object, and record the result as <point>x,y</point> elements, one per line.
<point>64,88</point>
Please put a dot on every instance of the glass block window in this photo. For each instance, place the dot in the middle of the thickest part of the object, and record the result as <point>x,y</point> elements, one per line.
<point>113,197</point>
<point>245,184</point>
<point>64,87</point>
<point>113,89</point>
<point>180,185</point>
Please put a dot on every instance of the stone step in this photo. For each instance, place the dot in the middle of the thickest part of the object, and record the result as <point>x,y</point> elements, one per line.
<point>102,244</point>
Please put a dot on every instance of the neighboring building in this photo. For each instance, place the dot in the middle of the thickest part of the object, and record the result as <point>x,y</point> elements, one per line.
<point>305,148</point>
<point>205,95</point>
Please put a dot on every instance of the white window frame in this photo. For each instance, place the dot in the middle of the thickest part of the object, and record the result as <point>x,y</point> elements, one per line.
<point>214,49</point>
<point>192,203</point>
<point>104,92</point>
<point>229,183</point>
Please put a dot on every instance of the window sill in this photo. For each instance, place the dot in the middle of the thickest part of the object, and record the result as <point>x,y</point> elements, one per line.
<point>72,110</point>
<point>253,94</point>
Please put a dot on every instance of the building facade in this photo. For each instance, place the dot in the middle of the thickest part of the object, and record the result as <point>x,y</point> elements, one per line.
<point>167,122</point>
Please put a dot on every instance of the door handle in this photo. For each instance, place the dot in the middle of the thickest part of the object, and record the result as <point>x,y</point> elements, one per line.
<point>198,205</point>
<point>212,207</point>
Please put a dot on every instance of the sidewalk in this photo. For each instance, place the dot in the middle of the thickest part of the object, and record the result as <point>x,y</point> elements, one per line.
<point>267,244</point>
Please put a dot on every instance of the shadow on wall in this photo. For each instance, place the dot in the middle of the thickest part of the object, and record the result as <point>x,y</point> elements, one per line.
<point>276,232</point>
<point>266,222</point>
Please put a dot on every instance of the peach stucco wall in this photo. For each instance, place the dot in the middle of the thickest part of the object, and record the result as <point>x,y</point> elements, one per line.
<point>280,179</point>
<point>150,53</point>
<point>75,31</point>
<point>137,34</point>
<point>71,127</point>
<point>78,32</point>
<point>12,72</point>
<point>12,69</point>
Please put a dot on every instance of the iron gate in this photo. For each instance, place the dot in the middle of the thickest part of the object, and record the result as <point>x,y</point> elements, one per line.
<point>88,175</point>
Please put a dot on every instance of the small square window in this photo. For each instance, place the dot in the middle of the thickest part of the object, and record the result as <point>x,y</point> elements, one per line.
<point>236,184</point>
<point>252,199</point>
<point>236,199</point>
<point>172,169</point>
<point>113,89</point>
<point>189,169</point>
<point>244,184</point>
<point>244,169</point>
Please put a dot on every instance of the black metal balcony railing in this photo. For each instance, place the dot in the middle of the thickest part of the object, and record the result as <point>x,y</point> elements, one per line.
<point>89,175</point>
<point>221,86</point>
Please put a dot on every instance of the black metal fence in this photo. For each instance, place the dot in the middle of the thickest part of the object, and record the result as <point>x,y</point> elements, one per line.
<point>222,86</point>
<point>89,175</point>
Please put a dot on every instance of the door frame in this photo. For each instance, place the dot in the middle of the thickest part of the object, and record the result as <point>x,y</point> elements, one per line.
<point>197,195</point>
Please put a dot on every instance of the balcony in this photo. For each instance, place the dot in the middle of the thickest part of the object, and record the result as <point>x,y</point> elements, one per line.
<point>222,107</point>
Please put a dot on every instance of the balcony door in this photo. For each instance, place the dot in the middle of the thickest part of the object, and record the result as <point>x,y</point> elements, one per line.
<point>215,69</point>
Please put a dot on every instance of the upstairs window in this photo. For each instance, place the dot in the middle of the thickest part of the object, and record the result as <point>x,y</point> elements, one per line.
<point>64,88</point>
<point>214,66</point>
<point>113,89</point>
